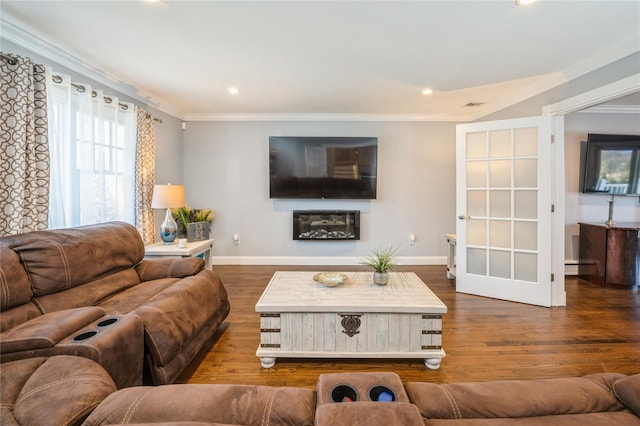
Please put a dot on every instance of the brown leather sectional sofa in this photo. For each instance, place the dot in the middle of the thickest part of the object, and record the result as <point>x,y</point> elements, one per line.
<point>87,291</point>
<point>68,390</point>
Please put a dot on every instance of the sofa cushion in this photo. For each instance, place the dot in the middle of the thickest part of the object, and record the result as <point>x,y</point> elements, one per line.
<point>517,398</point>
<point>15,289</point>
<point>60,390</point>
<point>207,403</point>
<point>47,330</point>
<point>91,293</point>
<point>59,259</point>
<point>628,391</point>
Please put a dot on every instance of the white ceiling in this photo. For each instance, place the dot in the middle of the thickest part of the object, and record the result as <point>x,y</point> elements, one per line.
<point>328,58</point>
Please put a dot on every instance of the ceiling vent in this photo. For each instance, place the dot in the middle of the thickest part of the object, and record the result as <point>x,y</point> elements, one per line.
<point>474,104</point>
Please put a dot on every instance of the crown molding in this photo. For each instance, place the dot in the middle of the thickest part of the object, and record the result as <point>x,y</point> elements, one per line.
<point>613,109</point>
<point>45,49</point>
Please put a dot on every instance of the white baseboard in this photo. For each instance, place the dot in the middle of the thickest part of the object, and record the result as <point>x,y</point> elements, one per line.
<point>571,267</point>
<point>319,260</point>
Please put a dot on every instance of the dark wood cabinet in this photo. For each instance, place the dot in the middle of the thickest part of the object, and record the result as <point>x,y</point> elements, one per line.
<point>610,255</point>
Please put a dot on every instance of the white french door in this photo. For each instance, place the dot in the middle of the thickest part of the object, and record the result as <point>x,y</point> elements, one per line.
<point>505,188</point>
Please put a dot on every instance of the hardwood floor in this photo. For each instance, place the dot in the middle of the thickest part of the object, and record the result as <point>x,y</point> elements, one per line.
<point>485,339</point>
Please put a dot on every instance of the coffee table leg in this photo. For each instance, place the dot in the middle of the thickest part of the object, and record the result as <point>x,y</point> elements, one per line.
<point>267,362</point>
<point>432,363</point>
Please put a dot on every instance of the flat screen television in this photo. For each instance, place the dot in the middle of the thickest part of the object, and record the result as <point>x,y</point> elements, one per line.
<point>611,164</point>
<point>318,167</point>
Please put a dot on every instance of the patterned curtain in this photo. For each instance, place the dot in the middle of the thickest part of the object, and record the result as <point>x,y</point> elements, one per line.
<point>24,147</point>
<point>145,175</point>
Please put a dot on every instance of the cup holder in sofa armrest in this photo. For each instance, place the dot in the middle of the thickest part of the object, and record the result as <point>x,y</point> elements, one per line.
<point>84,336</point>
<point>107,322</point>
<point>382,394</point>
<point>343,393</point>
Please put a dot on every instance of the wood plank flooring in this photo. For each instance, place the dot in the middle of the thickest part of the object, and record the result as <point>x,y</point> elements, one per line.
<point>485,339</point>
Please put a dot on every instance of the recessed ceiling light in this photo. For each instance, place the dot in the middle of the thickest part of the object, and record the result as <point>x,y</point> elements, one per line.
<point>233,90</point>
<point>427,91</point>
<point>524,2</point>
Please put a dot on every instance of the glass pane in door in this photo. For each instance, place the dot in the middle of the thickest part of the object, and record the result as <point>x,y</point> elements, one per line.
<point>500,202</point>
<point>526,142</point>
<point>477,174</point>
<point>500,173</point>
<point>476,145</point>
<point>525,204</point>
<point>526,266</point>
<point>476,232</point>
<point>500,233</point>
<point>477,203</point>
<point>525,235</point>
<point>500,264</point>
<point>476,261</point>
<point>526,173</point>
<point>500,143</point>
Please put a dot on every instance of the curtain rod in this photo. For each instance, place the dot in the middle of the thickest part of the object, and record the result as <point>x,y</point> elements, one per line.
<point>12,61</point>
<point>80,88</point>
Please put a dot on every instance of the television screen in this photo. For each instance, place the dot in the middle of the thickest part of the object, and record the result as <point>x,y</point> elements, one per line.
<point>611,164</point>
<point>323,167</point>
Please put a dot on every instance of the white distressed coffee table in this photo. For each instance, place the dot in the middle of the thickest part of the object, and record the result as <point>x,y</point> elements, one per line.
<point>301,318</point>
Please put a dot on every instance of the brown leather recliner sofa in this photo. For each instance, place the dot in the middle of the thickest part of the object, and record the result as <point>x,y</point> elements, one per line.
<point>67,390</point>
<point>87,291</point>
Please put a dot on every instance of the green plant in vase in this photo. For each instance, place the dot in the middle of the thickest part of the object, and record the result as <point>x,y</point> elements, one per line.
<point>186,215</point>
<point>382,261</point>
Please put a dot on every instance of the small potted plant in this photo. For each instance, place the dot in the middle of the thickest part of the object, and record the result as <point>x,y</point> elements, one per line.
<point>193,224</point>
<point>381,261</point>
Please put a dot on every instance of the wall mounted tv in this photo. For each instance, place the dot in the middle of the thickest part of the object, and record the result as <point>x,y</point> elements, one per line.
<point>611,164</point>
<point>316,167</point>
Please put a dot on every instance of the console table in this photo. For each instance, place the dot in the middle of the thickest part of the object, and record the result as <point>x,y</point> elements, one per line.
<point>610,255</point>
<point>200,249</point>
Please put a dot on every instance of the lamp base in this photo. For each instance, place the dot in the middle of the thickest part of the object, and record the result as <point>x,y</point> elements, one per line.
<point>168,228</point>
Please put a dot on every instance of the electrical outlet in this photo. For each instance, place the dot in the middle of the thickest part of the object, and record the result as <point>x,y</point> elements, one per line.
<point>236,239</point>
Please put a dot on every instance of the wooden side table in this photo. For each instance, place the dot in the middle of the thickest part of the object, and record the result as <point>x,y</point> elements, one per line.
<point>201,249</point>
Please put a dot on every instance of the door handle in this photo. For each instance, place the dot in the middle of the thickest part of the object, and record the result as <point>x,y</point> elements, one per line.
<point>463,216</point>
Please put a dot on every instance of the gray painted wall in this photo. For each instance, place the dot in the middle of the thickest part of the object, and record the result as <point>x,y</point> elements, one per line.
<point>226,169</point>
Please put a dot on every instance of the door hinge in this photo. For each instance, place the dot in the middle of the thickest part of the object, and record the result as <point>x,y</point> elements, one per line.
<point>553,277</point>
<point>553,208</point>
<point>553,138</point>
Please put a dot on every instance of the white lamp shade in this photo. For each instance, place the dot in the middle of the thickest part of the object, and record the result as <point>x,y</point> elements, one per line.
<point>168,197</point>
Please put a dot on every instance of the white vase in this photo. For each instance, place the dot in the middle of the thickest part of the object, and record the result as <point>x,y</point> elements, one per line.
<point>381,278</point>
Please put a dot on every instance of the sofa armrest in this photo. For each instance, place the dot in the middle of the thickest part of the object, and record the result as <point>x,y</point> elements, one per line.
<point>169,268</point>
<point>47,330</point>
<point>628,391</point>
<point>207,403</point>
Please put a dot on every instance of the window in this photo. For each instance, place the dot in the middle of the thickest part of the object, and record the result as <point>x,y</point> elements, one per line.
<point>92,144</point>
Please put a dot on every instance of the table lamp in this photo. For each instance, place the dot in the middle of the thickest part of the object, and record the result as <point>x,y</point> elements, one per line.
<point>168,197</point>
